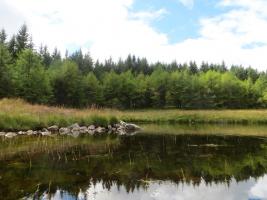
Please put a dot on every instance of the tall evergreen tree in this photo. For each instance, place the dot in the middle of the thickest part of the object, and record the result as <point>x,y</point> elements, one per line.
<point>3,36</point>
<point>22,39</point>
<point>5,74</point>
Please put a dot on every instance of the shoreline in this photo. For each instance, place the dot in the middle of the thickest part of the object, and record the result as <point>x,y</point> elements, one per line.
<point>17,115</point>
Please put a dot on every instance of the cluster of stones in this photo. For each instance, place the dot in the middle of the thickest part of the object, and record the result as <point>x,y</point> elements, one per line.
<point>75,130</point>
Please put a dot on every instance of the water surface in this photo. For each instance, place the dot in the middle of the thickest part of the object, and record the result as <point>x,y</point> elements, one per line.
<point>162,162</point>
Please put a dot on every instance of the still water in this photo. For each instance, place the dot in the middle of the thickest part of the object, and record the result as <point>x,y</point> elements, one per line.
<point>162,162</point>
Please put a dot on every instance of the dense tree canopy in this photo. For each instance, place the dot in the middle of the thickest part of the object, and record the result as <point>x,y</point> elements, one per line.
<point>77,81</point>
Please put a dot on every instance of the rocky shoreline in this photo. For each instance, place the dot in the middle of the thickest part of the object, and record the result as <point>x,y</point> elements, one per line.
<point>121,128</point>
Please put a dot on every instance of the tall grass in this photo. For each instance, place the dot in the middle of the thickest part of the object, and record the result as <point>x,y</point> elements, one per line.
<point>16,114</point>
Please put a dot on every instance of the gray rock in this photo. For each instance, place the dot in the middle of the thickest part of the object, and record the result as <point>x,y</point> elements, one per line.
<point>129,127</point>
<point>29,132</point>
<point>53,128</point>
<point>46,133</point>
<point>75,131</point>
<point>113,129</point>
<point>116,126</point>
<point>91,132</point>
<point>132,127</point>
<point>83,130</point>
<point>21,133</point>
<point>100,130</point>
<point>64,131</point>
<point>10,135</point>
<point>92,127</point>
<point>76,125</point>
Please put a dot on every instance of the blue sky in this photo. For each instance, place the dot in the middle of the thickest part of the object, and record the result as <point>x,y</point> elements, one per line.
<point>234,31</point>
<point>180,21</point>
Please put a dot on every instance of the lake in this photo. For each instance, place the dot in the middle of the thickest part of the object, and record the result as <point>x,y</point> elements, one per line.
<point>169,162</point>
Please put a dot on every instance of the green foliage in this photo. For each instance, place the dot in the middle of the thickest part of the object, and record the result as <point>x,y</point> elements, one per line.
<point>113,120</point>
<point>67,85</point>
<point>99,121</point>
<point>5,75</point>
<point>76,81</point>
<point>31,79</point>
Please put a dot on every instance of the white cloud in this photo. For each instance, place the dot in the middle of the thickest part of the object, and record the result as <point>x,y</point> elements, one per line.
<point>187,3</point>
<point>110,28</point>
<point>259,190</point>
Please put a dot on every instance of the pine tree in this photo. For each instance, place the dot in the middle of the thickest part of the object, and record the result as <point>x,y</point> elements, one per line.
<point>22,39</point>
<point>12,47</point>
<point>3,36</point>
<point>5,76</point>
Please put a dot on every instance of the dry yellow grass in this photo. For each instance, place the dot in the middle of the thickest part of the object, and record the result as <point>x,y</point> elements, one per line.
<point>17,114</point>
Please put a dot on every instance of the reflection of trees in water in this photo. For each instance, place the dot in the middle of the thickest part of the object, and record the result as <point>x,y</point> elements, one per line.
<point>136,161</point>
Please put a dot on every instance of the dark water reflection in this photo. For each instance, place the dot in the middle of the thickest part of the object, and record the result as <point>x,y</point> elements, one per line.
<point>143,166</point>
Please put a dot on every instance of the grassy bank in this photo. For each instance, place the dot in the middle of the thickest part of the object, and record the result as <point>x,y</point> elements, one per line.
<point>17,115</point>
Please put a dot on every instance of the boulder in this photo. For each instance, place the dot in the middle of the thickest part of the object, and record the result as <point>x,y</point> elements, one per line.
<point>46,133</point>
<point>92,127</point>
<point>75,131</point>
<point>29,132</point>
<point>91,132</point>
<point>116,125</point>
<point>53,128</point>
<point>64,131</point>
<point>100,130</point>
<point>109,127</point>
<point>129,127</point>
<point>83,130</point>
<point>132,127</point>
<point>76,125</point>
<point>10,135</point>
<point>21,133</point>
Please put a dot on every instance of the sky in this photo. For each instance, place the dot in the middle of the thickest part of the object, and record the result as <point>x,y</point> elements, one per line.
<point>233,31</point>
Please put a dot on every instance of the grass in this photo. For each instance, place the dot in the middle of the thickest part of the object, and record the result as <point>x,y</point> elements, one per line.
<point>16,114</point>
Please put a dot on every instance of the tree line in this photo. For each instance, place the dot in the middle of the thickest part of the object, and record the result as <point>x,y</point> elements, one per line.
<point>39,76</point>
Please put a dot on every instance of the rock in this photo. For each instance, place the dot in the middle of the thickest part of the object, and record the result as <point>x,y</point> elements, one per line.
<point>129,127</point>
<point>116,126</point>
<point>53,128</point>
<point>109,127</point>
<point>29,132</point>
<point>46,133</point>
<point>120,131</point>
<point>100,130</point>
<point>75,131</point>
<point>2,133</point>
<point>10,135</point>
<point>92,127</point>
<point>83,130</point>
<point>21,133</point>
<point>76,125</point>
<point>122,123</point>
<point>64,131</point>
<point>132,127</point>
<point>91,132</point>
